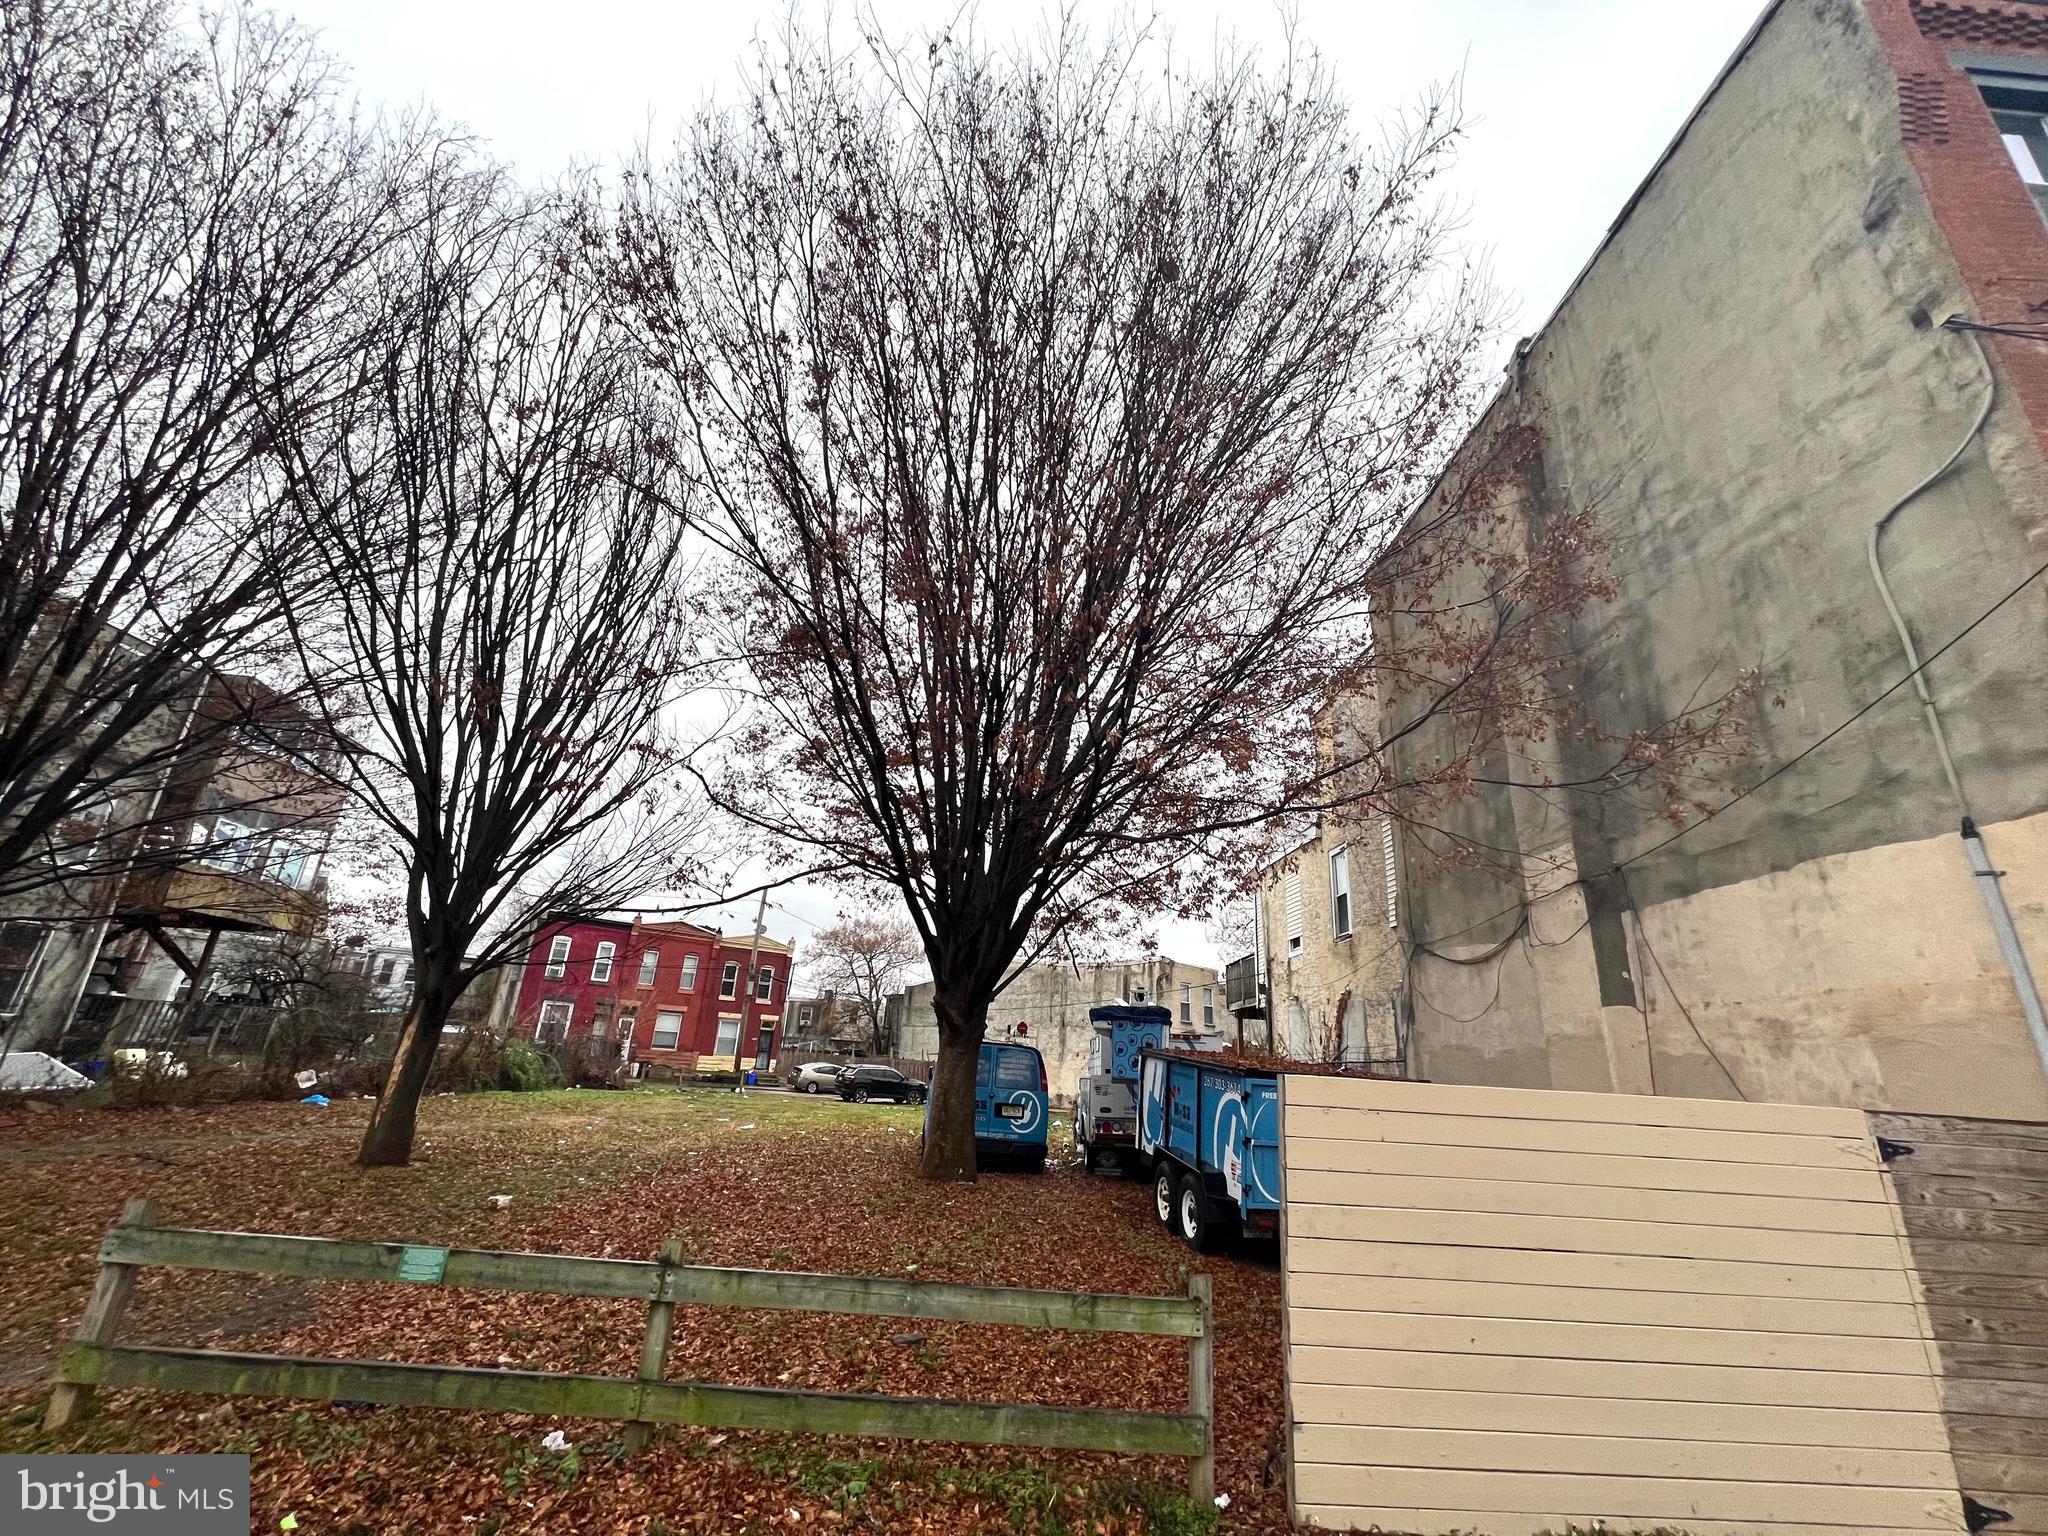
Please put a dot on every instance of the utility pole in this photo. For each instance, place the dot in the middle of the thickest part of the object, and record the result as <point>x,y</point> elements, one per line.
<point>739,1039</point>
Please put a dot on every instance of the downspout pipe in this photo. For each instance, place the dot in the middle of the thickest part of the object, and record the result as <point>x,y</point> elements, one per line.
<point>1986,874</point>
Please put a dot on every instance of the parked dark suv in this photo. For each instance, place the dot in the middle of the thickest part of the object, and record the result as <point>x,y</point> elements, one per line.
<point>860,1084</point>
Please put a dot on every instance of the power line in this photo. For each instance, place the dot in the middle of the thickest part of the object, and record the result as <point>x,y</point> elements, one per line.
<point>1791,762</point>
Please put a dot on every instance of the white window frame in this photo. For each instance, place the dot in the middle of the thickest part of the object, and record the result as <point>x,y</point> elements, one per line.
<point>558,956</point>
<point>729,981</point>
<point>650,964</point>
<point>724,1044</point>
<point>1208,1007</point>
<point>1340,892</point>
<point>764,984</point>
<point>689,973</point>
<point>1187,1003</point>
<point>554,1010</point>
<point>1290,892</point>
<point>661,1026</point>
<point>601,965</point>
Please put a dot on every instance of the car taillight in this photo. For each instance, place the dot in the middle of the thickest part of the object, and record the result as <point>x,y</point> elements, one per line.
<point>1043,1086</point>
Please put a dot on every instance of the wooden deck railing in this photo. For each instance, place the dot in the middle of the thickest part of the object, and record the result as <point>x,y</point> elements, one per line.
<point>95,1360</point>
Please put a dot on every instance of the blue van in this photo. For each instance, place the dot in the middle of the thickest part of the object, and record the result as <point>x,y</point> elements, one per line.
<point>1011,1106</point>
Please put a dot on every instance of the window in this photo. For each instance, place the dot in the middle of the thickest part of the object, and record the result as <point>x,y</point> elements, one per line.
<point>728,1036</point>
<point>601,967</point>
<point>1187,1002</point>
<point>601,1019</point>
<point>804,1015</point>
<point>689,973</point>
<point>1340,893</point>
<point>1016,1069</point>
<point>20,944</point>
<point>1393,869</point>
<point>764,985</point>
<point>1292,894</point>
<point>1208,1007</point>
<point>650,962</point>
<point>730,985</point>
<point>668,1028</point>
<point>628,1017</point>
<point>386,965</point>
<point>2019,106</point>
<point>558,956</point>
<point>555,1015</point>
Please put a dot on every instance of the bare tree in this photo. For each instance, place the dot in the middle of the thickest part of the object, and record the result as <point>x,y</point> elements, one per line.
<point>863,959</point>
<point>1058,411</point>
<point>494,517</point>
<point>183,219</point>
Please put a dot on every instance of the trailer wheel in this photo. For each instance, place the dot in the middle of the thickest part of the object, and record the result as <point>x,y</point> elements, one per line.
<point>1165,1190</point>
<point>1195,1223</point>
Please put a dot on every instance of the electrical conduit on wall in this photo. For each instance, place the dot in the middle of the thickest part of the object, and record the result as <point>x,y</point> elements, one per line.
<point>1986,875</point>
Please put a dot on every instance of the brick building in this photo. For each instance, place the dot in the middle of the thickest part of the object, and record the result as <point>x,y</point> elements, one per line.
<point>1802,384</point>
<point>676,991</point>
<point>569,984</point>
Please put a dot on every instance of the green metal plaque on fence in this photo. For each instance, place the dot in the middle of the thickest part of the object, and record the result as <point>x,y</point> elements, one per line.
<point>422,1266</point>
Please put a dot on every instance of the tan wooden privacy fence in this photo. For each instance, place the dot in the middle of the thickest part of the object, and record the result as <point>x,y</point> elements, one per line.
<point>95,1360</point>
<point>1511,1310</point>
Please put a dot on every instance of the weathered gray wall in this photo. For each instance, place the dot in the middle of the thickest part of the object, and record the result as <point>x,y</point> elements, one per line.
<point>1746,378</point>
<point>1053,1000</point>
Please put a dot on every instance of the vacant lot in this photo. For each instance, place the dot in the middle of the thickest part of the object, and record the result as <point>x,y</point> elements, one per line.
<point>767,1181</point>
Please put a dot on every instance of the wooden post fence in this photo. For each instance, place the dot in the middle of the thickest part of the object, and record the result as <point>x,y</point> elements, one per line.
<point>647,1400</point>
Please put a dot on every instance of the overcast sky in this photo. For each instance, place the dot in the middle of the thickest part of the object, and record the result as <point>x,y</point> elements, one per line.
<point>1571,102</point>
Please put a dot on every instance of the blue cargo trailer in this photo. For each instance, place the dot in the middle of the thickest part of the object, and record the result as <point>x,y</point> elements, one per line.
<point>1210,1132</point>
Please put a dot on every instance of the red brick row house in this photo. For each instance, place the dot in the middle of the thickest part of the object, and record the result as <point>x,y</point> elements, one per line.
<point>669,993</point>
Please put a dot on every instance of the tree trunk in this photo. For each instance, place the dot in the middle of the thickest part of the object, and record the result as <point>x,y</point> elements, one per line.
<point>387,1143</point>
<point>949,1127</point>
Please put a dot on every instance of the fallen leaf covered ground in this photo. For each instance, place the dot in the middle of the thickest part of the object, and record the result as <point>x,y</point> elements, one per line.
<point>767,1181</point>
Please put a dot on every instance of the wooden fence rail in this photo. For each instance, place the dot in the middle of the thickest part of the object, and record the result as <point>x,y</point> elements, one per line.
<point>95,1360</point>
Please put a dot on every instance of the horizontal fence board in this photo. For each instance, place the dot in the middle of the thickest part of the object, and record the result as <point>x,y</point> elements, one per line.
<point>1573,1234</point>
<point>1997,1362</point>
<point>2005,1224</point>
<point>1568,1136</point>
<point>2008,1399</point>
<point>1579,1304</point>
<point>1985,1434</point>
<point>1574,1454</point>
<point>1640,1499</point>
<point>327,1258</point>
<point>1973,1191</point>
<point>1321,1365</point>
<point>1959,1130</point>
<point>1982,1475</point>
<point>2023,1328</point>
<point>1605,1341</point>
<point>1940,1256</point>
<point>1322,1154</point>
<point>1447,1260</point>
<point>1955,1160</point>
<point>1086,1312</point>
<point>602,1397</point>
<point>1536,1199</point>
<point>1303,1091</point>
<point>1359,1517</point>
<point>1425,1408</point>
<point>572,1275</point>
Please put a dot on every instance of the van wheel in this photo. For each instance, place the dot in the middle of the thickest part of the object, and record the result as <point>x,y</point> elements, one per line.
<point>1194,1220</point>
<point>1165,1190</point>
